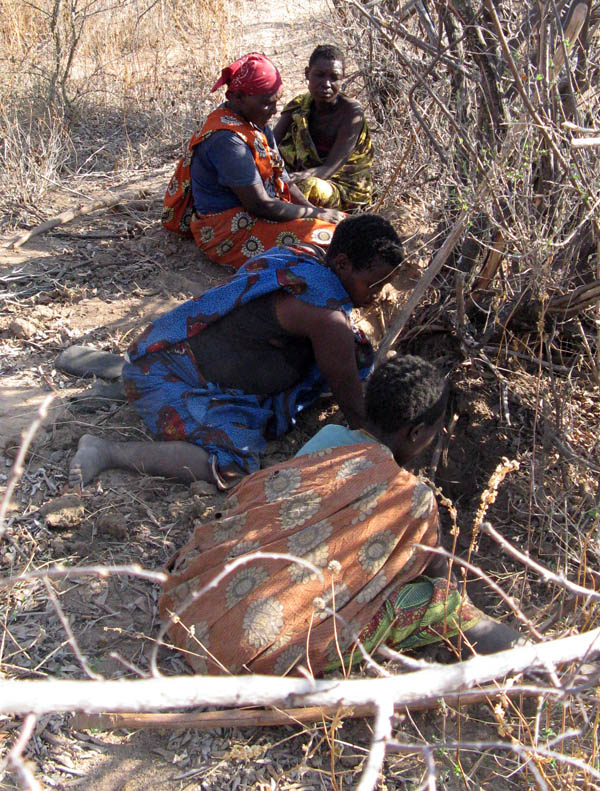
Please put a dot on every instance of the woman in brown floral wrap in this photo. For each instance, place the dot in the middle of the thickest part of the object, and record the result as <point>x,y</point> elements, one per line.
<point>230,190</point>
<point>322,551</point>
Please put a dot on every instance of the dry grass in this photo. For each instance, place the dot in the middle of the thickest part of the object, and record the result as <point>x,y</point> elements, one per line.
<point>533,198</point>
<point>93,90</point>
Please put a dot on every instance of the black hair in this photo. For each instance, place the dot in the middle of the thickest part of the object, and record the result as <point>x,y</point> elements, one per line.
<point>405,390</point>
<point>364,237</point>
<point>327,52</point>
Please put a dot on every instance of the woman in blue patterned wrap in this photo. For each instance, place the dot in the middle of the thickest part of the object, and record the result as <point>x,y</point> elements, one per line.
<point>214,375</point>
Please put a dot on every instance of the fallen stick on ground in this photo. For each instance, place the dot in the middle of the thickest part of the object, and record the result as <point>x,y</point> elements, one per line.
<point>70,214</point>
<point>246,718</point>
<point>207,720</point>
<point>165,693</point>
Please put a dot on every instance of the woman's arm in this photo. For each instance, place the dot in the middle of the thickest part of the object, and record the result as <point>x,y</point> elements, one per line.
<point>298,196</point>
<point>281,127</point>
<point>334,349</point>
<point>236,170</point>
<point>255,199</point>
<point>343,146</point>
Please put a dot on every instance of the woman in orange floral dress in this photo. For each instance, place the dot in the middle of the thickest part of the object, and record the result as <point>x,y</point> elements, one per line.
<point>230,190</point>
<point>326,550</point>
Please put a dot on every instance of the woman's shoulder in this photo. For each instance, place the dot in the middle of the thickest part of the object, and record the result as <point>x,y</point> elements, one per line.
<point>223,134</point>
<point>224,144</point>
<point>351,107</point>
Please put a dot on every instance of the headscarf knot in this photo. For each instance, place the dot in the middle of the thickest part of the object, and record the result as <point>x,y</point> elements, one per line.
<point>252,74</point>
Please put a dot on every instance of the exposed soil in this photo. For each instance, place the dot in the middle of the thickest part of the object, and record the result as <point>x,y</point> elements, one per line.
<point>77,289</point>
<point>97,281</point>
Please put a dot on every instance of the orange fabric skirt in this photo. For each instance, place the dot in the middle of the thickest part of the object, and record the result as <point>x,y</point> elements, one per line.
<point>351,512</point>
<point>234,236</point>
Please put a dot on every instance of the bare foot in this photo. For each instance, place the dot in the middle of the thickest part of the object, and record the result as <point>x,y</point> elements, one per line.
<point>93,455</point>
<point>489,636</point>
<point>86,361</point>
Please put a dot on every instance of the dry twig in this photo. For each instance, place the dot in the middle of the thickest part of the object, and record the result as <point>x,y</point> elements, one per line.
<point>255,717</point>
<point>159,694</point>
<point>71,214</point>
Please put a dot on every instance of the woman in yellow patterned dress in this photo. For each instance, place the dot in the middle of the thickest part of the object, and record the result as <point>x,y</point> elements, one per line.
<point>353,518</point>
<point>324,139</point>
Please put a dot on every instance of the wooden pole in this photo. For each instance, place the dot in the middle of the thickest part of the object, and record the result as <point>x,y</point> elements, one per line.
<point>247,718</point>
<point>423,284</point>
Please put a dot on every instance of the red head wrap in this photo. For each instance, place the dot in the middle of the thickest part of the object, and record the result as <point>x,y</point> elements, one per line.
<point>252,74</point>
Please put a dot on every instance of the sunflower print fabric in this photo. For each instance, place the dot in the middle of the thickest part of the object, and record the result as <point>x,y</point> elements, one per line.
<point>234,236</point>
<point>269,615</point>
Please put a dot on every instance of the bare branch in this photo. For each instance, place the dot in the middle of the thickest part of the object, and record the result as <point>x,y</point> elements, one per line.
<point>161,694</point>
<point>226,571</point>
<point>426,280</point>
<point>14,759</point>
<point>540,570</point>
<point>60,572</point>
<point>251,718</point>
<point>382,733</point>
<point>70,636</point>
<point>509,600</point>
<point>18,466</point>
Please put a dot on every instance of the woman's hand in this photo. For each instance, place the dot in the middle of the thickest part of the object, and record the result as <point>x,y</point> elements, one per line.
<point>301,175</point>
<point>256,201</point>
<point>331,215</point>
<point>333,345</point>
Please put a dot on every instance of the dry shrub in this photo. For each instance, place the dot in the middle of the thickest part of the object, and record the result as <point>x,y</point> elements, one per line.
<point>456,133</point>
<point>100,86</point>
<point>475,116</point>
<point>136,81</point>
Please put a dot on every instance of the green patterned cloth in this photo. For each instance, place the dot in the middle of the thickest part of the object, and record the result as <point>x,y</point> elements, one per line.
<point>416,614</point>
<point>350,186</point>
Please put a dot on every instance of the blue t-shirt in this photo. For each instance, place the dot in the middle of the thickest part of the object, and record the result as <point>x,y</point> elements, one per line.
<point>219,163</point>
<point>334,436</point>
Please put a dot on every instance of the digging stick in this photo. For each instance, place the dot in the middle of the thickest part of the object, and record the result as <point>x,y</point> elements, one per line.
<point>423,284</point>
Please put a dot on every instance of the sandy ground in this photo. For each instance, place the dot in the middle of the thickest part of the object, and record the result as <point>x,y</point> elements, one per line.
<point>287,32</point>
<point>97,281</point>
